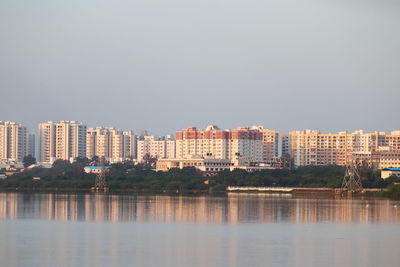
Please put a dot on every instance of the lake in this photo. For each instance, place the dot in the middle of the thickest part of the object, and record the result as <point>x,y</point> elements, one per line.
<point>236,229</point>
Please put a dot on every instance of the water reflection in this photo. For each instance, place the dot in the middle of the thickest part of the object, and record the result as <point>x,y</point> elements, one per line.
<point>233,208</point>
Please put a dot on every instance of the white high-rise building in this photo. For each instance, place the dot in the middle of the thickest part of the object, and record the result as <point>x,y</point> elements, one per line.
<point>156,147</point>
<point>13,141</point>
<point>64,140</point>
<point>112,144</point>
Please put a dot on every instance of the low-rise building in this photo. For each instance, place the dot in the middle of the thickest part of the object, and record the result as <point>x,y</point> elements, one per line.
<point>96,169</point>
<point>10,168</point>
<point>387,172</point>
<point>208,166</point>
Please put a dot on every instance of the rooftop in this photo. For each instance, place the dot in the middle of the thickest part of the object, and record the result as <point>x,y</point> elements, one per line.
<point>97,167</point>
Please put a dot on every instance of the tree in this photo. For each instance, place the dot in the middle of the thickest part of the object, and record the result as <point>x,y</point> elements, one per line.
<point>81,161</point>
<point>95,160</point>
<point>29,160</point>
<point>149,161</point>
<point>61,165</point>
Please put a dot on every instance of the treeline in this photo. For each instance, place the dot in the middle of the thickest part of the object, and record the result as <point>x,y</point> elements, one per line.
<point>127,176</point>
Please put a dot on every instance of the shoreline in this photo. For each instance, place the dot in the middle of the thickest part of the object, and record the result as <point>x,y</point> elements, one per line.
<point>317,192</point>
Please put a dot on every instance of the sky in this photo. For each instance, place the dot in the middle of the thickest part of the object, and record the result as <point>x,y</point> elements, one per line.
<point>164,65</point>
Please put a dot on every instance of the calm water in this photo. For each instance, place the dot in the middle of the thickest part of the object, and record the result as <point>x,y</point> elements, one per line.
<point>232,230</point>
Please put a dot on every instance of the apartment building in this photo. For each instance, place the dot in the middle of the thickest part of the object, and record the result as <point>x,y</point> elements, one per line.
<point>386,159</point>
<point>242,146</point>
<point>64,140</point>
<point>270,141</point>
<point>13,141</point>
<point>157,147</point>
<point>112,144</point>
<point>311,147</point>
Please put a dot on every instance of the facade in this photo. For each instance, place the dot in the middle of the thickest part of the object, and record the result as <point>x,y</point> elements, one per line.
<point>13,141</point>
<point>242,146</point>
<point>156,147</point>
<point>207,166</point>
<point>112,144</point>
<point>64,140</point>
<point>386,159</point>
<point>270,141</point>
<point>310,147</point>
<point>286,145</point>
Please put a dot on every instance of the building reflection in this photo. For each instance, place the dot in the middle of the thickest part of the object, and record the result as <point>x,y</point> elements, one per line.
<point>233,208</point>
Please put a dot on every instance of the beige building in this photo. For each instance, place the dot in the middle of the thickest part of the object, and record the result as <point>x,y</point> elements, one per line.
<point>207,166</point>
<point>64,140</point>
<point>242,146</point>
<point>383,159</point>
<point>156,147</point>
<point>310,147</point>
<point>13,141</point>
<point>112,144</point>
<point>270,141</point>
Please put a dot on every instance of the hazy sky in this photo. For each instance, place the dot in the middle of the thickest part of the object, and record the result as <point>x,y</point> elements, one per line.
<point>163,65</point>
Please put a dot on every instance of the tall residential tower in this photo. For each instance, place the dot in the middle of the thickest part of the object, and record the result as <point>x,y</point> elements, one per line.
<point>113,144</point>
<point>64,140</point>
<point>13,141</point>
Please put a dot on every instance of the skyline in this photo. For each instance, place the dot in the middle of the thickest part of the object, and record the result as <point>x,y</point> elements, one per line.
<point>329,65</point>
<point>199,133</point>
<point>34,130</point>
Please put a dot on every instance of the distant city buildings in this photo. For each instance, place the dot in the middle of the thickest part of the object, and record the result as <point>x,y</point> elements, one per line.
<point>270,142</point>
<point>64,140</point>
<point>112,144</point>
<point>311,147</point>
<point>156,147</point>
<point>208,166</point>
<point>209,150</point>
<point>242,146</point>
<point>13,141</point>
